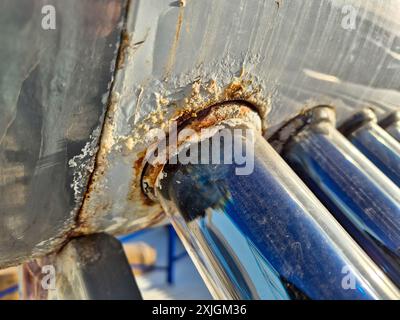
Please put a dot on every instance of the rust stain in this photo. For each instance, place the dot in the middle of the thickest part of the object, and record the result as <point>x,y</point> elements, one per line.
<point>218,113</point>
<point>138,167</point>
<point>206,118</point>
<point>234,89</point>
<point>124,47</point>
<point>172,53</point>
<point>81,222</point>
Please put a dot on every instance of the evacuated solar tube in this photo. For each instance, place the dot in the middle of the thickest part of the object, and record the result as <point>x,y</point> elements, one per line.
<point>374,142</point>
<point>392,125</point>
<point>357,193</point>
<point>263,235</point>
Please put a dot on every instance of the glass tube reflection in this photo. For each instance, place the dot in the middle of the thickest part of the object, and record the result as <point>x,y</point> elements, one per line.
<point>264,235</point>
<point>358,194</point>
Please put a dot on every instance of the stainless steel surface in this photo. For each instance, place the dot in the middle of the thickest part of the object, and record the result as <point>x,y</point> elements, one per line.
<point>54,86</point>
<point>358,194</point>
<point>264,235</point>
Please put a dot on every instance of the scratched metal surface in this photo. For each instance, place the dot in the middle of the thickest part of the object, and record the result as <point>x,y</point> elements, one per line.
<point>185,55</point>
<point>54,86</point>
<point>176,56</point>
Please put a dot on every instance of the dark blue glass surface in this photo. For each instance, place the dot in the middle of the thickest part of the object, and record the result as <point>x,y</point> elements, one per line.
<point>348,184</point>
<point>255,238</point>
<point>379,147</point>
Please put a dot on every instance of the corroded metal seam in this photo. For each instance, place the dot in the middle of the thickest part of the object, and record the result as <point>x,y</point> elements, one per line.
<point>214,118</point>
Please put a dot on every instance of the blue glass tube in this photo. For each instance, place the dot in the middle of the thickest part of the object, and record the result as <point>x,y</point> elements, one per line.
<point>375,143</point>
<point>358,194</point>
<point>264,235</point>
<point>392,125</point>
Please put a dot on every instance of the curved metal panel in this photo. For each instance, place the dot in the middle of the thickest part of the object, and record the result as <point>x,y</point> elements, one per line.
<point>54,85</point>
